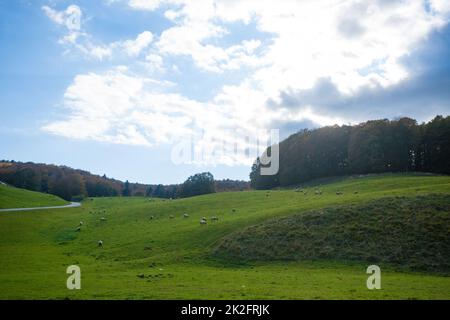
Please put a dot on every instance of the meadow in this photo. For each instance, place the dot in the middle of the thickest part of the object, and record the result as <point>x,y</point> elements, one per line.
<point>11,197</point>
<point>147,254</point>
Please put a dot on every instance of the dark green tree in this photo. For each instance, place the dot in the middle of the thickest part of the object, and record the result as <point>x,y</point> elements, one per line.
<point>149,191</point>
<point>126,192</point>
<point>200,183</point>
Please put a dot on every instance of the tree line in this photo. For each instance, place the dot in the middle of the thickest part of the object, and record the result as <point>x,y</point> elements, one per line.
<point>374,146</point>
<point>73,184</point>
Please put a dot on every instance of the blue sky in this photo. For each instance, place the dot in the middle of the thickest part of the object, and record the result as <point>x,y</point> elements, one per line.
<point>114,86</point>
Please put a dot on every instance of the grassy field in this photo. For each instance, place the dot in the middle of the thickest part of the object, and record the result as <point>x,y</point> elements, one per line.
<point>411,233</point>
<point>172,258</point>
<point>11,197</point>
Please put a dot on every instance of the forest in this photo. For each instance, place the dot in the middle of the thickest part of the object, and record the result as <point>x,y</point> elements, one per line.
<point>74,184</point>
<point>374,146</point>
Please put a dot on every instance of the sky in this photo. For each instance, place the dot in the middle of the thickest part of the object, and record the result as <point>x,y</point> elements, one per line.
<point>156,90</point>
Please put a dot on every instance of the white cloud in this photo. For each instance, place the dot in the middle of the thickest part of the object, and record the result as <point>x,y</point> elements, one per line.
<point>188,40</point>
<point>82,41</point>
<point>154,62</point>
<point>311,39</point>
<point>144,4</point>
<point>99,52</point>
<point>354,44</point>
<point>124,108</point>
<point>134,47</point>
<point>71,17</point>
<point>442,6</point>
<point>123,105</point>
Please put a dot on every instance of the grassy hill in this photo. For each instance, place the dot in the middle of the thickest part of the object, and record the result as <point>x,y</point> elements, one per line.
<point>410,232</point>
<point>152,252</point>
<point>11,197</point>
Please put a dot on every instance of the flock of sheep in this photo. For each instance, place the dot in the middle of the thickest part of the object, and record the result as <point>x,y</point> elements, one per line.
<point>204,220</point>
<point>100,242</point>
<point>318,192</point>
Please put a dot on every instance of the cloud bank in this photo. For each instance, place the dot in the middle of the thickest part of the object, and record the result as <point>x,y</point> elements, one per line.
<point>314,63</point>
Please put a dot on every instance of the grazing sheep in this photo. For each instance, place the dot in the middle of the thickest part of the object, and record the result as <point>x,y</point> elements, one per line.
<point>171,216</point>
<point>202,221</point>
<point>81,223</point>
<point>214,218</point>
<point>186,215</point>
<point>100,243</point>
<point>102,219</point>
<point>338,193</point>
<point>152,217</point>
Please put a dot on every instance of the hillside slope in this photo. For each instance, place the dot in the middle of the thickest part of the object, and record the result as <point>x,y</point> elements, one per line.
<point>151,251</point>
<point>11,197</point>
<point>411,232</point>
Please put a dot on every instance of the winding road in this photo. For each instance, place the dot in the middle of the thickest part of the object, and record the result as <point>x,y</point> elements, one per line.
<point>71,205</point>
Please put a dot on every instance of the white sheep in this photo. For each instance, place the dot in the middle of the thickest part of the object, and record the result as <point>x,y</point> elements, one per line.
<point>202,221</point>
<point>100,243</point>
<point>186,215</point>
<point>81,223</point>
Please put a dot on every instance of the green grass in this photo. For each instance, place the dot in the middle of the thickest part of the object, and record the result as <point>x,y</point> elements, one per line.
<point>11,197</point>
<point>408,232</point>
<point>163,258</point>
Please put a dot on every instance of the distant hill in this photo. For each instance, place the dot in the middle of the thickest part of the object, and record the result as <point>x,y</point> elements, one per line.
<point>375,146</point>
<point>74,184</point>
<point>11,197</point>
